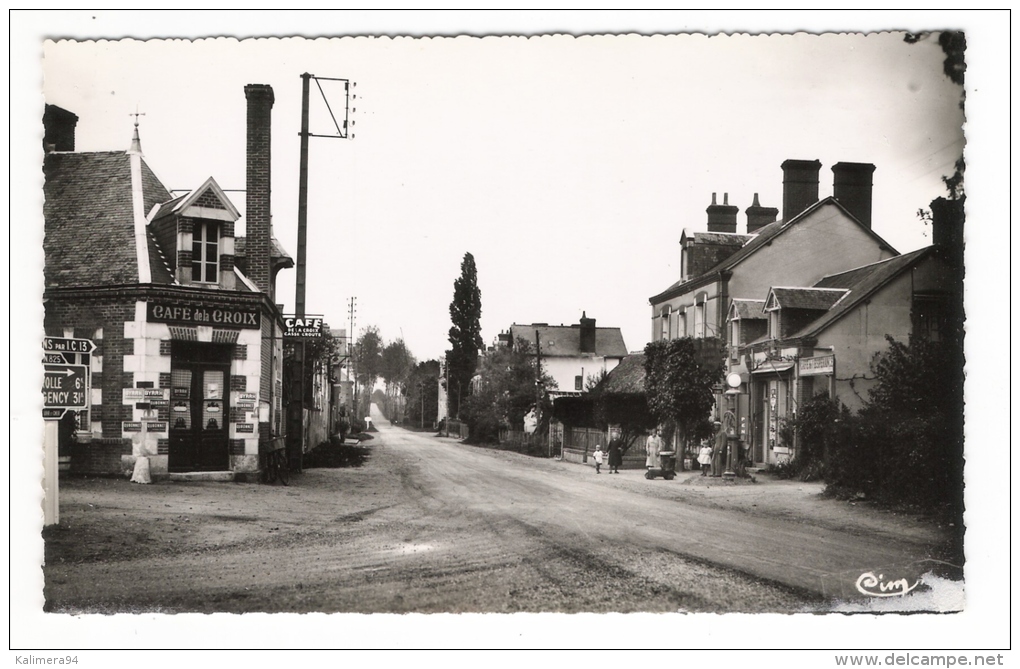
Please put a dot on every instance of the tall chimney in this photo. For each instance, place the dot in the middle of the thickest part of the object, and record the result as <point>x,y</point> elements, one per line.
<point>947,218</point>
<point>851,186</point>
<point>758,216</point>
<point>800,186</point>
<point>58,129</point>
<point>722,217</point>
<point>587,334</point>
<point>258,217</point>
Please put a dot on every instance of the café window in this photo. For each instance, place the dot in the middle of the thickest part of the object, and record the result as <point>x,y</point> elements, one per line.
<point>205,252</point>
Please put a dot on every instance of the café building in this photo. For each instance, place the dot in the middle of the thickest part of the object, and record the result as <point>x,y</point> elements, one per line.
<point>187,366</point>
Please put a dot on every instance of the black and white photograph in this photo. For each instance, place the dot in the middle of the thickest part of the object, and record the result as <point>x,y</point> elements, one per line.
<point>564,330</point>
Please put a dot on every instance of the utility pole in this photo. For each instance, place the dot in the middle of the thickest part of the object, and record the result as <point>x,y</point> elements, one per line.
<point>302,240</point>
<point>352,310</point>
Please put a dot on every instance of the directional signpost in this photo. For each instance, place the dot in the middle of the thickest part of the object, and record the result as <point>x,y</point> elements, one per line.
<point>65,388</point>
<point>67,345</point>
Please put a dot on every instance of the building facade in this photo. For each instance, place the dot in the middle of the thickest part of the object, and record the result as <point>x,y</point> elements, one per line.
<point>187,367</point>
<point>725,282</point>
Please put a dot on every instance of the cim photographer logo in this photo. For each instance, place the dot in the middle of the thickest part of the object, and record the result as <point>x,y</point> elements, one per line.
<point>879,586</point>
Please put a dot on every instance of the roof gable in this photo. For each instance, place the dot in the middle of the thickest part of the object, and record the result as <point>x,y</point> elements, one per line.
<point>746,310</point>
<point>764,237</point>
<point>815,299</point>
<point>860,284</point>
<point>772,230</point>
<point>208,201</point>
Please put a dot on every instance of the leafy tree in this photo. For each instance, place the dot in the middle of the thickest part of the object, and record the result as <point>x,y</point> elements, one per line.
<point>423,393</point>
<point>466,332</point>
<point>505,391</point>
<point>368,357</point>
<point>397,362</point>
<point>320,355</point>
<point>679,378</point>
<point>395,367</point>
<point>592,381</point>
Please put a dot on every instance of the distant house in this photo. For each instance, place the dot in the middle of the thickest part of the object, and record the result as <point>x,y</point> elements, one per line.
<point>570,354</point>
<point>187,366</point>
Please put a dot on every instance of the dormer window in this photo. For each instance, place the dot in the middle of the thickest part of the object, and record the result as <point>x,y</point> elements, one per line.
<point>771,311</point>
<point>205,252</point>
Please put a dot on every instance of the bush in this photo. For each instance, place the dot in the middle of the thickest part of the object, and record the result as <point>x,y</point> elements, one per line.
<point>905,447</point>
<point>815,428</point>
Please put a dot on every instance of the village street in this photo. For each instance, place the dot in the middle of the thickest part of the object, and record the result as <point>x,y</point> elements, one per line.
<point>430,525</point>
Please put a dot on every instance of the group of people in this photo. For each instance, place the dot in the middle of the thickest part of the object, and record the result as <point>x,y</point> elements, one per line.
<point>615,457</point>
<point>710,457</point>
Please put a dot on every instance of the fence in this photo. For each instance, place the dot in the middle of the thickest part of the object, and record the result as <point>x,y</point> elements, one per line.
<point>529,444</point>
<point>579,443</point>
<point>456,428</point>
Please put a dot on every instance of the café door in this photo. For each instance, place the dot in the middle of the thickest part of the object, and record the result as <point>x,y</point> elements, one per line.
<point>199,410</point>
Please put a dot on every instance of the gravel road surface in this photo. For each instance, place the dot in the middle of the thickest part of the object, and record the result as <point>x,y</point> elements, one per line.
<point>430,525</point>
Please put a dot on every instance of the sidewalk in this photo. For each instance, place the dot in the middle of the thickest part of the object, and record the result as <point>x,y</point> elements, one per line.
<point>766,495</point>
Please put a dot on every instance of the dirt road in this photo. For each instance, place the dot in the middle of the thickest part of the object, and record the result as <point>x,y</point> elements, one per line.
<point>430,525</point>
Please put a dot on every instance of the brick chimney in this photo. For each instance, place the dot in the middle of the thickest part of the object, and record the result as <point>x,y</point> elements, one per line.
<point>58,129</point>
<point>722,217</point>
<point>947,217</point>
<point>800,186</point>
<point>851,186</point>
<point>258,217</point>
<point>587,334</point>
<point>758,216</point>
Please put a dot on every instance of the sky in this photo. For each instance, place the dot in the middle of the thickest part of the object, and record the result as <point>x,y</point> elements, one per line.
<point>568,167</point>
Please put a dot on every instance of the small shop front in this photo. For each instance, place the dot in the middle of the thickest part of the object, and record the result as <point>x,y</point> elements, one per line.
<point>771,388</point>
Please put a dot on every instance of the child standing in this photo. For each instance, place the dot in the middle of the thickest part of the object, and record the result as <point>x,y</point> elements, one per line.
<point>598,458</point>
<point>705,458</point>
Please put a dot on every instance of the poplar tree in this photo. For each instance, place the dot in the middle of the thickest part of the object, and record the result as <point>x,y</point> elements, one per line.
<point>465,334</point>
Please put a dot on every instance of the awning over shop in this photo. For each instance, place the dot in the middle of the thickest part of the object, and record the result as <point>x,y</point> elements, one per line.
<point>773,367</point>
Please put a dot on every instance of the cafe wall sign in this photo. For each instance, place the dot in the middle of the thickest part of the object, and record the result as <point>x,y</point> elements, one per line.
<point>191,314</point>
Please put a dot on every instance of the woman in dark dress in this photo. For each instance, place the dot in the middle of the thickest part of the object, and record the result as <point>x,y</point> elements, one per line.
<point>615,456</point>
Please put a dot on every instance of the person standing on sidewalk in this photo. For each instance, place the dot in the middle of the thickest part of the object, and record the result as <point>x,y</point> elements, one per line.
<point>652,447</point>
<point>598,458</point>
<point>705,458</point>
<point>719,450</point>
<point>615,456</point>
